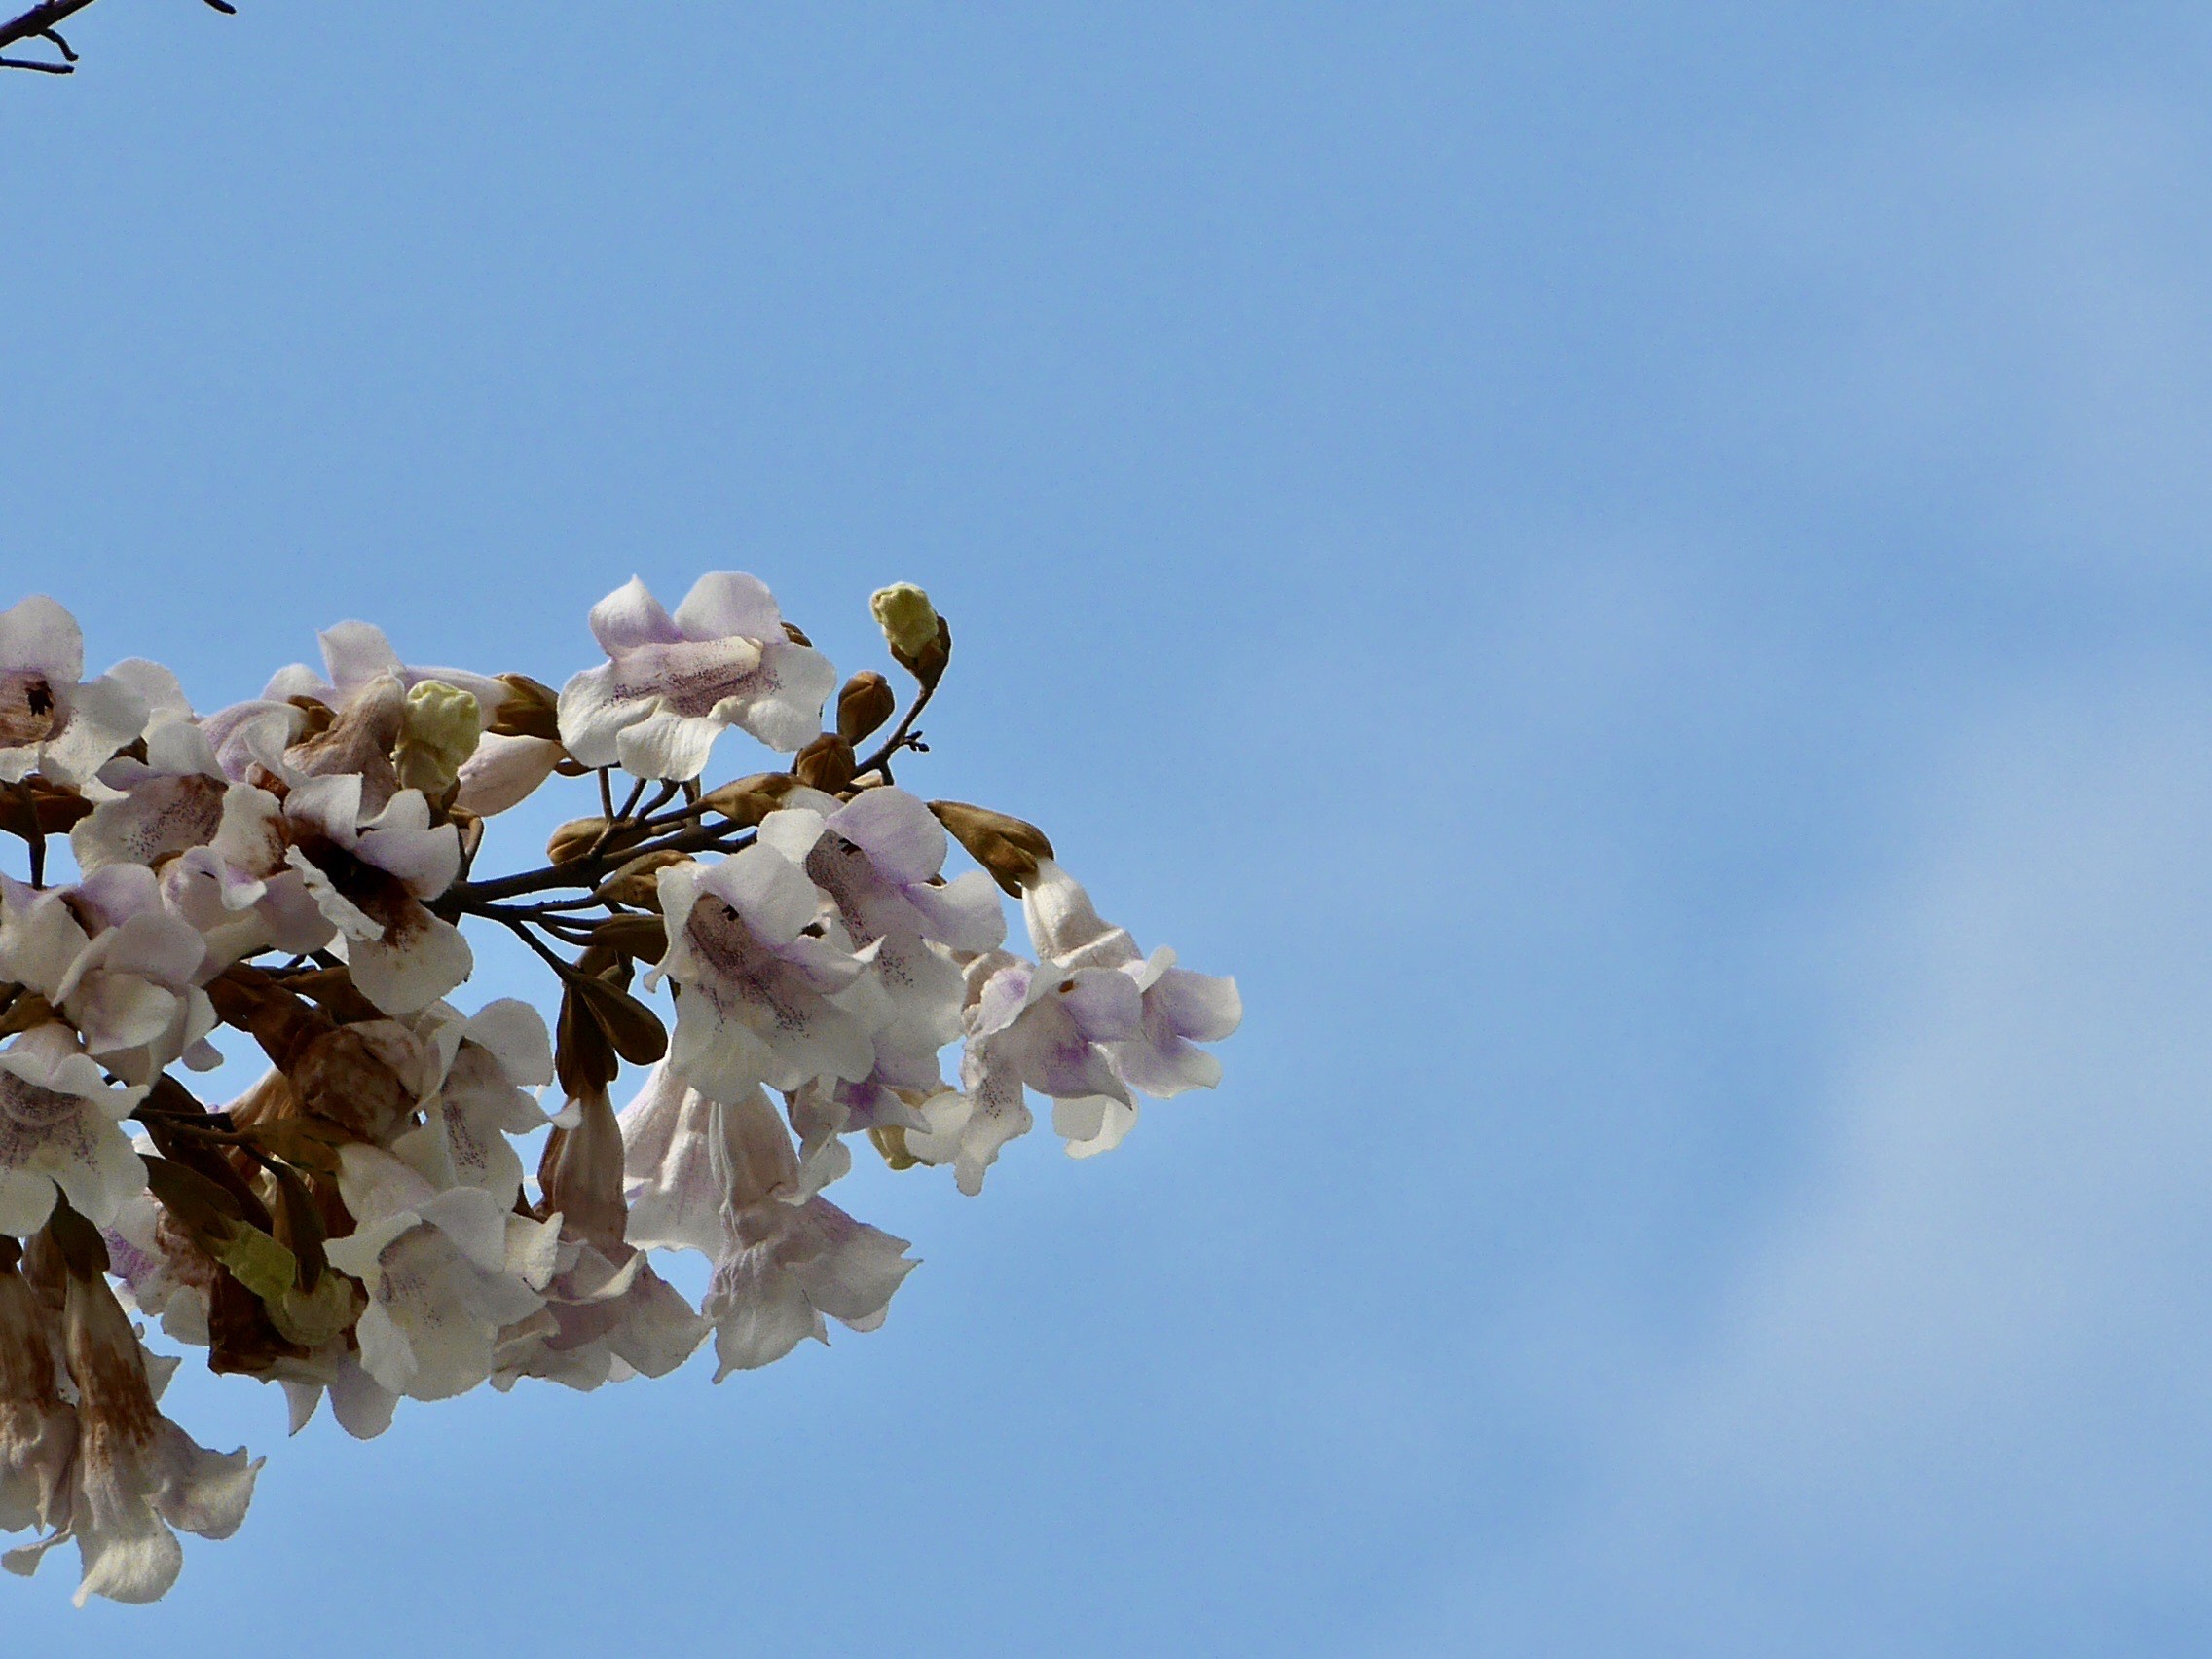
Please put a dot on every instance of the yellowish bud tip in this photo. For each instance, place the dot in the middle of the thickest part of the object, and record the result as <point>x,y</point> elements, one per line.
<point>438,734</point>
<point>907,618</point>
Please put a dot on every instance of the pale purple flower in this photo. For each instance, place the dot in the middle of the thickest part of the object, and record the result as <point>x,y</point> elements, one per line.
<point>672,685</point>
<point>38,1427</point>
<point>877,858</point>
<point>369,876</point>
<point>51,720</point>
<point>766,997</point>
<point>446,1273</point>
<point>489,1064</point>
<point>157,806</point>
<point>135,1475</point>
<point>60,1128</point>
<point>356,654</point>
<point>724,1179</point>
<point>608,1315</point>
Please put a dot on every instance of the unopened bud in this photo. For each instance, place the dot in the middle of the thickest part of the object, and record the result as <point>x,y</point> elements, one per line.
<point>530,709</point>
<point>1008,847</point>
<point>438,732</point>
<point>906,617</point>
<point>573,839</point>
<point>864,705</point>
<point>636,882</point>
<point>824,764</point>
<point>745,802</point>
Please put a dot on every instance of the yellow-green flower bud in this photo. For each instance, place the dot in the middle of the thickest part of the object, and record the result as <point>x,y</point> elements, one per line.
<point>906,617</point>
<point>437,735</point>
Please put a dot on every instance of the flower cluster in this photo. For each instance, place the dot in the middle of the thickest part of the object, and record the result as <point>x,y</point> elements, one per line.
<point>358,1223</point>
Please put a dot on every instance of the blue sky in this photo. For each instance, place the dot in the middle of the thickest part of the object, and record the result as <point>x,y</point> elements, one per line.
<point>1638,573</point>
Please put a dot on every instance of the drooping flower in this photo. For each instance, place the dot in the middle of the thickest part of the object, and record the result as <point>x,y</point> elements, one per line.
<point>878,858</point>
<point>137,1475</point>
<point>369,876</point>
<point>51,720</point>
<point>766,997</point>
<point>672,685</point>
<point>445,1272</point>
<point>608,1315</point>
<point>133,989</point>
<point>38,1429</point>
<point>60,1128</point>
<point>1177,1009</point>
<point>354,654</point>
<point>724,1179</point>
<point>491,1063</point>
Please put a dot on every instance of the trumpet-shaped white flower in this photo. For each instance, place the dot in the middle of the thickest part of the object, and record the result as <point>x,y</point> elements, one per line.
<point>607,1315</point>
<point>60,1128</point>
<point>356,654</point>
<point>38,1427</point>
<point>724,1180</point>
<point>137,1475</point>
<point>672,685</point>
<point>369,876</point>
<point>133,988</point>
<point>445,1272</point>
<point>51,720</point>
<point>489,1064</point>
<point>877,858</point>
<point>160,805</point>
<point>766,997</point>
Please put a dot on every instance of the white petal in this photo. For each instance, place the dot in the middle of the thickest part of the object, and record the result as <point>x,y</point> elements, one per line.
<point>722,603</point>
<point>630,616</point>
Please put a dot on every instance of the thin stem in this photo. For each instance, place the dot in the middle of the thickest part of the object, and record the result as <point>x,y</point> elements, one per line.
<point>880,760</point>
<point>468,896</point>
<point>34,838</point>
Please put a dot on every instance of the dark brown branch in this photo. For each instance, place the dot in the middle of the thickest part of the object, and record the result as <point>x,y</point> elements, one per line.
<point>43,21</point>
<point>40,20</point>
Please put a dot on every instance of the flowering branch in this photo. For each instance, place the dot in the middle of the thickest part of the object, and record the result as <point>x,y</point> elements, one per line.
<point>357,1225</point>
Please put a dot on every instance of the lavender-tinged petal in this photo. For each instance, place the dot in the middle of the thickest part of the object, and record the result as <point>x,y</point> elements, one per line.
<point>965,913</point>
<point>593,709</point>
<point>897,831</point>
<point>629,618</point>
<point>356,653</point>
<point>722,603</point>
<point>37,635</point>
<point>783,705</point>
<point>667,744</point>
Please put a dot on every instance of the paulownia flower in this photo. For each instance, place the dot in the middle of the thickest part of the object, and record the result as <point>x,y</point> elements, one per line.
<point>133,989</point>
<point>356,653</point>
<point>51,720</point>
<point>1177,1009</point>
<point>38,1429</point>
<point>724,1179</point>
<point>608,1315</point>
<point>445,1272</point>
<point>369,876</point>
<point>491,1063</point>
<point>672,685</point>
<point>766,997</point>
<point>877,858</point>
<point>59,1129</point>
<point>136,1474</point>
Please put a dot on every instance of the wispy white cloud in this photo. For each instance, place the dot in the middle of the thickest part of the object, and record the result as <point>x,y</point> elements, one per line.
<point>1957,1402</point>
